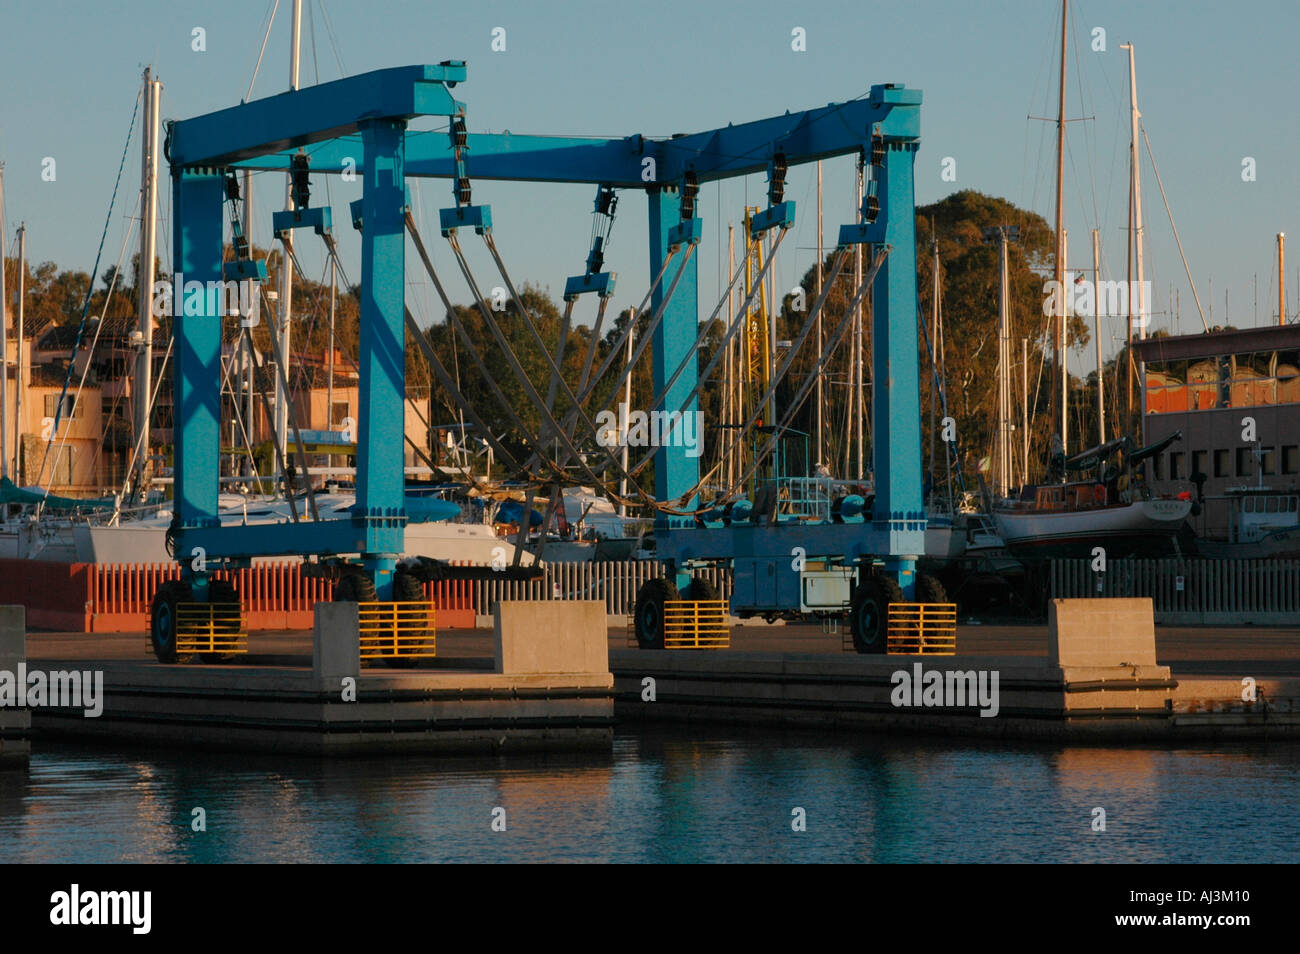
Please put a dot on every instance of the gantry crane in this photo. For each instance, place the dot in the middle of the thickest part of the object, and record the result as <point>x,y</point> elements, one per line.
<point>864,552</point>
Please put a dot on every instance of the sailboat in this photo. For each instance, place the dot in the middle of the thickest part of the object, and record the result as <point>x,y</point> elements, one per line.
<point>1105,505</point>
<point>1111,509</point>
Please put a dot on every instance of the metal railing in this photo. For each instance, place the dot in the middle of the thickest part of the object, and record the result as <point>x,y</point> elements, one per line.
<point>807,497</point>
<point>1190,591</point>
<point>397,629</point>
<point>696,624</point>
<point>615,582</point>
<point>922,629</point>
<point>210,628</point>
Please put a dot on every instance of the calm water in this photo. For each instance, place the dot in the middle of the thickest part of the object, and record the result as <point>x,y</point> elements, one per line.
<point>664,797</point>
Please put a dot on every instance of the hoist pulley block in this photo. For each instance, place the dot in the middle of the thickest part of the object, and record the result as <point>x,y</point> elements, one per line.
<point>479,217</point>
<point>778,216</point>
<point>602,283</point>
<point>244,269</point>
<point>688,232</point>
<point>318,220</point>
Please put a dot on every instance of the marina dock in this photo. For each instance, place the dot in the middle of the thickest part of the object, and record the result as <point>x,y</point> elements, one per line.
<point>1201,684</point>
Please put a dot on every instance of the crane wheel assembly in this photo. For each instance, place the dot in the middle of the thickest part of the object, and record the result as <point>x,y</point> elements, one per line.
<point>869,612</point>
<point>649,611</point>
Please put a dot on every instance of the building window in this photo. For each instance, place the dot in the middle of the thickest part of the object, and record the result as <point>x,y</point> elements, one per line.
<point>1290,459</point>
<point>1221,464</point>
<point>1245,462</point>
<point>1266,460</point>
<point>1155,467</point>
<point>338,412</point>
<point>1199,462</point>
<point>52,406</point>
<point>1176,465</point>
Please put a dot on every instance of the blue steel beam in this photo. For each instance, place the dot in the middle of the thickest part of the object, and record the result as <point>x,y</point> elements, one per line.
<point>320,537</point>
<point>675,471</point>
<point>896,397</point>
<point>382,365</point>
<point>197,197</point>
<point>823,133</point>
<point>601,284</point>
<point>314,114</point>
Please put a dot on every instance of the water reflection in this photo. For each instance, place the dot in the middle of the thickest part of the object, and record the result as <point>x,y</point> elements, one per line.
<point>683,796</point>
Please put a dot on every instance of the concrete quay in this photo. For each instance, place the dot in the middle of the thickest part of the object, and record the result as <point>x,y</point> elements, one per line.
<point>541,693</point>
<point>1092,676</point>
<point>1171,684</point>
<point>15,721</point>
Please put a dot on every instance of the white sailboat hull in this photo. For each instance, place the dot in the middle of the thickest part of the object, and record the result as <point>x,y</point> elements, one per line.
<point>144,541</point>
<point>1142,528</point>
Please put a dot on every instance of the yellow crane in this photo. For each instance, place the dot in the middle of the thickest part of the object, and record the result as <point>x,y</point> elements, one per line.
<point>757,369</point>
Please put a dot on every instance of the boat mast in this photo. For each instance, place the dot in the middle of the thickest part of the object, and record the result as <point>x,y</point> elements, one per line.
<point>1281,278</point>
<point>286,271</point>
<point>1065,375</point>
<point>821,458</point>
<point>19,381</point>
<point>732,360</point>
<point>4,343</point>
<point>1136,195</point>
<point>1059,265</point>
<point>729,398</point>
<point>142,384</point>
<point>934,348</point>
<point>1024,410</point>
<point>1004,372</point>
<point>246,352</point>
<point>859,410</point>
<point>1096,325</point>
<point>626,415</point>
<point>329,389</point>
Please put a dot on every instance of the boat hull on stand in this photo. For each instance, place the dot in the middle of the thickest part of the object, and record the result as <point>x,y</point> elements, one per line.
<point>1145,528</point>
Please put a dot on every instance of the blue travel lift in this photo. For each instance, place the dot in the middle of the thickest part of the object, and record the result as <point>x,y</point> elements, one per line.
<point>850,557</point>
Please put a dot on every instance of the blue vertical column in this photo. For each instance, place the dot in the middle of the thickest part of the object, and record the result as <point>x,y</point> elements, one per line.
<point>675,471</point>
<point>197,196</point>
<point>381,417</point>
<point>896,400</point>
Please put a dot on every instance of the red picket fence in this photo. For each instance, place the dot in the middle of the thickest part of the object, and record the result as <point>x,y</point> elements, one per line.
<point>115,598</point>
<point>56,595</point>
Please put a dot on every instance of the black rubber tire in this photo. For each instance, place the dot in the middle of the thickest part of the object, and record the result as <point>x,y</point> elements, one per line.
<point>702,589</point>
<point>354,588</point>
<point>649,611</point>
<point>869,612</point>
<point>930,590</point>
<point>1036,589</point>
<point>223,591</point>
<point>406,589</point>
<point>162,618</point>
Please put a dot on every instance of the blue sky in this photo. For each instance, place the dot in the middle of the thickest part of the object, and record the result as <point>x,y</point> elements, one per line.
<point>1215,85</point>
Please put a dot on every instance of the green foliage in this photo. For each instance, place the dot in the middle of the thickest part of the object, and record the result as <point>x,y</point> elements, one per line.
<point>968,282</point>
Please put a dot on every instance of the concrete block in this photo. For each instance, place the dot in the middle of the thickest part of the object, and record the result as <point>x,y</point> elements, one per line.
<point>336,642</point>
<point>13,636</point>
<point>1101,633</point>
<point>551,636</point>
<point>15,724</point>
